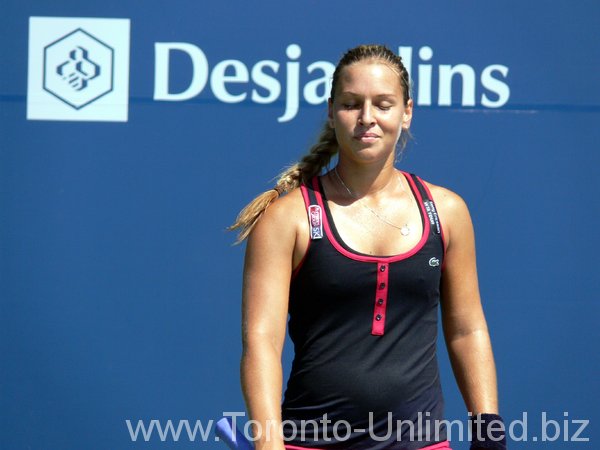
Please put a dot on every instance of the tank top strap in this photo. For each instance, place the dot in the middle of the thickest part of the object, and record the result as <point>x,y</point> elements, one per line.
<point>428,203</point>
<point>313,209</point>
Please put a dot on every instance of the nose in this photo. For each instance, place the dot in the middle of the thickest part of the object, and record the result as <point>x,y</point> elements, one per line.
<point>366,116</point>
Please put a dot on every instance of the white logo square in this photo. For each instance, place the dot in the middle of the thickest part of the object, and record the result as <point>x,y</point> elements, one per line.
<point>78,69</point>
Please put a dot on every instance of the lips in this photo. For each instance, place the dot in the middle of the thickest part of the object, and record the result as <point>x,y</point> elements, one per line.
<point>366,136</point>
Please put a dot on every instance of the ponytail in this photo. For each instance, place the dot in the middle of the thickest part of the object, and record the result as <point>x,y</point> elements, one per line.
<point>291,178</point>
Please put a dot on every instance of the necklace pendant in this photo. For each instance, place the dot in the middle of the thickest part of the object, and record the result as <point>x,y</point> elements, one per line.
<point>404,230</point>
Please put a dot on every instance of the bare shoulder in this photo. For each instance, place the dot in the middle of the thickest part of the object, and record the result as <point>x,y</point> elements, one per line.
<point>447,200</point>
<point>285,212</point>
<point>280,237</point>
<point>452,209</point>
<point>281,223</point>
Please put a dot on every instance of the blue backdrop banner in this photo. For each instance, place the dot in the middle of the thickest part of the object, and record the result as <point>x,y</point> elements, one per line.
<point>131,134</point>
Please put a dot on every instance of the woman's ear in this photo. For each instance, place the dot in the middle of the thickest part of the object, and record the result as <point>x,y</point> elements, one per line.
<point>330,112</point>
<point>407,115</point>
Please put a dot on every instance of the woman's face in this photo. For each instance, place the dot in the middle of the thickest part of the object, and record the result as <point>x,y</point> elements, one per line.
<point>368,112</point>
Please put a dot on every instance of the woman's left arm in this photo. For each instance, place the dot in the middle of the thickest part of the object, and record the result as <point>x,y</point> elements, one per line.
<point>465,329</point>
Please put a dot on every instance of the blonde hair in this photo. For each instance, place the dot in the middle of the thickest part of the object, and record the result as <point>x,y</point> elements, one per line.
<point>310,165</point>
<point>326,147</point>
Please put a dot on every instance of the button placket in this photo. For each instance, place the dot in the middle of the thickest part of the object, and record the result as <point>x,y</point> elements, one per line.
<point>381,295</point>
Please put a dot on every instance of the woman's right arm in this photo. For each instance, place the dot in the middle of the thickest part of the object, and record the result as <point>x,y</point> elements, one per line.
<point>266,284</point>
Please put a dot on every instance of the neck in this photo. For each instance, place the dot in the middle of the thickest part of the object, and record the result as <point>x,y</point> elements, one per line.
<point>367,181</point>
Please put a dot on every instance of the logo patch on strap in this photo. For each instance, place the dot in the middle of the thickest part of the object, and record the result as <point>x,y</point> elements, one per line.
<point>434,220</point>
<point>315,218</point>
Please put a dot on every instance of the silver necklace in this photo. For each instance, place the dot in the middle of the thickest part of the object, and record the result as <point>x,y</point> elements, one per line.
<point>404,229</point>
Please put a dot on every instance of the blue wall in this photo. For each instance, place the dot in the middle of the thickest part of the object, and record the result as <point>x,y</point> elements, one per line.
<point>120,288</point>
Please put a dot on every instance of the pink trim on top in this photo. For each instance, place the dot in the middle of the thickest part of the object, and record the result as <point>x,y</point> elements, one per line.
<point>295,447</point>
<point>306,198</point>
<point>364,258</point>
<point>438,446</point>
<point>439,220</point>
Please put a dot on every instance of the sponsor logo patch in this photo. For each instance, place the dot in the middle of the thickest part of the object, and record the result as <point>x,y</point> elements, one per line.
<point>78,69</point>
<point>315,216</point>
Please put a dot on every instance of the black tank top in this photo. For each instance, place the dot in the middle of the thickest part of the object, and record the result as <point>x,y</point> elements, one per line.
<point>364,330</point>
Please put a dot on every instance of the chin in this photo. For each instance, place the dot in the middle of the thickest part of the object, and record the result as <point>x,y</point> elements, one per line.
<point>370,154</point>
